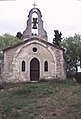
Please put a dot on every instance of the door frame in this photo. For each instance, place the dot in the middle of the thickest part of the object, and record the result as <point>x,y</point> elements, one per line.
<point>34,71</point>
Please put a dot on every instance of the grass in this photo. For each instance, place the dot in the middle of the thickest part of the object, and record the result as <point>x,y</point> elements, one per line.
<point>41,100</point>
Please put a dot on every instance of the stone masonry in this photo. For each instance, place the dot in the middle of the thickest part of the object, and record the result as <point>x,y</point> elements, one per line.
<point>43,52</point>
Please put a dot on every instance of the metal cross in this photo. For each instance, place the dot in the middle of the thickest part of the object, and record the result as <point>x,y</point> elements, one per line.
<point>34,5</point>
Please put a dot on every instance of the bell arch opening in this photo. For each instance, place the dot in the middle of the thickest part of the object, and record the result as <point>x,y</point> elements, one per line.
<point>34,24</point>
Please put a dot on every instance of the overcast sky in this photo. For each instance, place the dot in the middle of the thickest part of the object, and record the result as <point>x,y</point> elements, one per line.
<point>64,15</point>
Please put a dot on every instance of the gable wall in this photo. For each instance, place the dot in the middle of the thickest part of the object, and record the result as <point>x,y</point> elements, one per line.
<point>13,59</point>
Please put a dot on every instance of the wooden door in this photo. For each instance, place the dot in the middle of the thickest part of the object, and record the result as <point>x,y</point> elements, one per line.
<point>34,69</point>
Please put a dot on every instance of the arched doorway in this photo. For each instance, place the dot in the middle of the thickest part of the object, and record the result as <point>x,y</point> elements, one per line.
<point>34,69</point>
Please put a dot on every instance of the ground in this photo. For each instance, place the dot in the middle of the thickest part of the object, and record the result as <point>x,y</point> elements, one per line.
<point>41,100</point>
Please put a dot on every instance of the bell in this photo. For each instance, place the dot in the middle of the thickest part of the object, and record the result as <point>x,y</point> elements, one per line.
<point>34,26</point>
<point>34,23</point>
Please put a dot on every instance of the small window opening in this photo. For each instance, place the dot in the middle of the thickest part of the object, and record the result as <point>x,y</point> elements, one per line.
<point>23,66</point>
<point>34,49</point>
<point>45,66</point>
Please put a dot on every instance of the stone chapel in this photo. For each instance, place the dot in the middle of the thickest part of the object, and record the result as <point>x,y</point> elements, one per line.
<point>34,58</point>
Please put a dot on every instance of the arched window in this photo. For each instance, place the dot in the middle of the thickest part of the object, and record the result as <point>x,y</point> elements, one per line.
<point>45,66</point>
<point>23,66</point>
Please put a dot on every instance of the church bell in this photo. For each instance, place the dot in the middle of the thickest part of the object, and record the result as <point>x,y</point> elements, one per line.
<point>34,23</point>
<point>34,26</point>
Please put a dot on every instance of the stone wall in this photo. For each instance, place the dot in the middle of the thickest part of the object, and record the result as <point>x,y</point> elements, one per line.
<point>1,70</point>
<point>45,52</point>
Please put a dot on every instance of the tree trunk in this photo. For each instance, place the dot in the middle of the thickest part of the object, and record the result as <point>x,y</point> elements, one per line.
<point>76,69</point>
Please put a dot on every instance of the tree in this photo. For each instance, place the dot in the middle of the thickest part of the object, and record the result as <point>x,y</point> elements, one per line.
<point>19,35</point>
<point>72,53</point>
<point>57,37</point>
<point>7,40</point>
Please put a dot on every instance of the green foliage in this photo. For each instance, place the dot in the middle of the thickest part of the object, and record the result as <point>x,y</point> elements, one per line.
<point>7,40</point>
<point>57,37</point>
<point>19,35</point>
<point>72,53</point>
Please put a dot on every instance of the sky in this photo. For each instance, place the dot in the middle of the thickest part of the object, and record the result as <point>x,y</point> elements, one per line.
<point>64,15</point>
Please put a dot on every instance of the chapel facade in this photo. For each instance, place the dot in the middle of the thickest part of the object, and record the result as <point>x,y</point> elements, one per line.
<point>34,58</point>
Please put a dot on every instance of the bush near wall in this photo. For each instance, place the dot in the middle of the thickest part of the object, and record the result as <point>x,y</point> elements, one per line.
<point>78,77</point>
